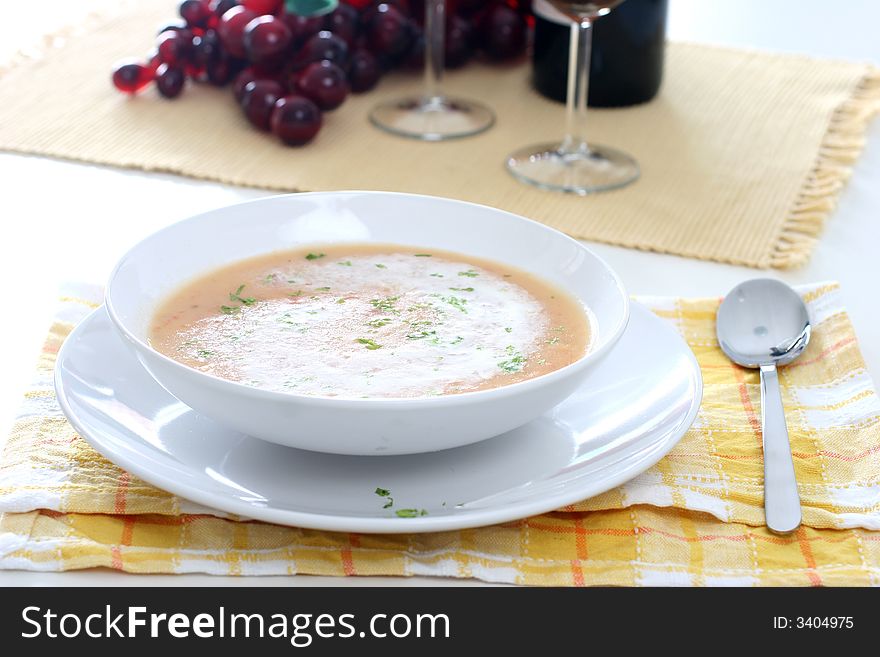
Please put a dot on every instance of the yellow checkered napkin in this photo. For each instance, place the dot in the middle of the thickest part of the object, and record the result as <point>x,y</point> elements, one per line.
<point>693,519</point>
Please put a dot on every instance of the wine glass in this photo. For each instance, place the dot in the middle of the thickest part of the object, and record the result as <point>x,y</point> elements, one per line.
<point>576,166</point>
<point>433,116</point>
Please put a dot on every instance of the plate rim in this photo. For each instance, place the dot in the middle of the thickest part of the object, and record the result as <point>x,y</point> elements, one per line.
<point>644,457</point>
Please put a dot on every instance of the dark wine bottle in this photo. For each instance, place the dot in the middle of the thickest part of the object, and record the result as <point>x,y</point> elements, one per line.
<point>626,65</point>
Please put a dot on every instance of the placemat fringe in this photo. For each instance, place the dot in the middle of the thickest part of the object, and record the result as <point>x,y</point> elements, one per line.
<point>840,148</point>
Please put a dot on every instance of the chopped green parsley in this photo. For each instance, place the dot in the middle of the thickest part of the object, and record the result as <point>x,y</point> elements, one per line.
<point>470,273</point>
<point>236,296</point>
<point>515,363</point>
<point>384,492</point>
<point>410,513</point>
<point>420,335</point>
<point>315,256</point>
<point>368,343</point>
<point>386,304</point>
<point>456,302</point>
<point>462,289</point>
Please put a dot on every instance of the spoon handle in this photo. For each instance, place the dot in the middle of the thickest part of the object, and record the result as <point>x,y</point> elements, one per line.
<point>782,506</point>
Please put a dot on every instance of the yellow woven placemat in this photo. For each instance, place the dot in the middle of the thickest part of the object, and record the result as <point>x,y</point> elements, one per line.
<point>742,154</point>
<point>694,518</point>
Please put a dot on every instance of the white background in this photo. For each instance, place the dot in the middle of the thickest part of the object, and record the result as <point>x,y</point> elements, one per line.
<point>63,221</point>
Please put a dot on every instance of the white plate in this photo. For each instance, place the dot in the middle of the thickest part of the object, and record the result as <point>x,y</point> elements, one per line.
<point>634,407</point>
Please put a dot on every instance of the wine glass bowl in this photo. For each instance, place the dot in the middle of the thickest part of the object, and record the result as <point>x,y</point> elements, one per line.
<point>574,165</point>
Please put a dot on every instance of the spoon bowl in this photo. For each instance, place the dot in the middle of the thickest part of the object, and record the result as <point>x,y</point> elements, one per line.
<point>763,321</point>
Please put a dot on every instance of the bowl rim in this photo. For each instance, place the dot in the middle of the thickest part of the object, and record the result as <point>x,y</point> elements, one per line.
<point>477,396</point>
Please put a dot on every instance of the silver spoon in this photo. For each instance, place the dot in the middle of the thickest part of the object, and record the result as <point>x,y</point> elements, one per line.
<point>763,323</point>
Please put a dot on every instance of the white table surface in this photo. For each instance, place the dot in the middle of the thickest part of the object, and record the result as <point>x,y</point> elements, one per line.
<point>65,221</point>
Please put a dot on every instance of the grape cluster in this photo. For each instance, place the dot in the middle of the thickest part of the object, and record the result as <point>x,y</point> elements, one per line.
<point>286,70</point>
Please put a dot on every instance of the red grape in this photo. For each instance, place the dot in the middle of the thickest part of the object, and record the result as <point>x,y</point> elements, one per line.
<point>247,75</point>
<point>302,27</point>
<point>153,60</point>
<point>263,6</point>
<point>131,77</point>
<point>296,120</point>
<point>169,80</point>
<point>175,26</point>
<point>324,84</point>
<point>220,7</point>
<point>470,6</point>
<point>323,45</point>
<point>459,35</point>
<point>221,70</point>
<point>389,32</point>
<point>231,29</point>
<point>266,39</point>
<point>364,72</point>
<point>206,48</point>
<point>251,73</point>
<point>415,57</point>
<point>403,6</point>
<point>503,32</point>
<point>258,101</point>
<point>343,22</point>
<point>175,48</point>
<point>196,13</point>
<point>416,10</point>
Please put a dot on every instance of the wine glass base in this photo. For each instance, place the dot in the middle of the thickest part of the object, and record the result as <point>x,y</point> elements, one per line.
<point>432,119</point>
<point>581,172</point>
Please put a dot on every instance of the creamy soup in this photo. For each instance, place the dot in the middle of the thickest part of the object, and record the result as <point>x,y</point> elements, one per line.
<point>371,321</point>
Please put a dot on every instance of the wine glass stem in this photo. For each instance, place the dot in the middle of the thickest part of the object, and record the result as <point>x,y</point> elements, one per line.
<point>578,87</point>
<point>435,28</point>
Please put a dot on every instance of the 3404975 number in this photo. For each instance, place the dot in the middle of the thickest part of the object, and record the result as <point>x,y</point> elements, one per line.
<point>829,622</point>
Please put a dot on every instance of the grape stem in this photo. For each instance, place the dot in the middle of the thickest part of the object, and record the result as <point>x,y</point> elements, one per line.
<point>435,25</point>
<point>575,141</point>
